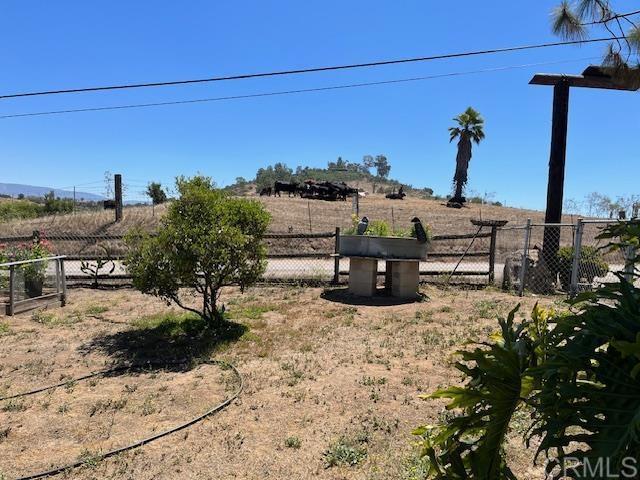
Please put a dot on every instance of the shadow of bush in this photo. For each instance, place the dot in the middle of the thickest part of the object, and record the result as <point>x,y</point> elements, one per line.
<point>168,337</point>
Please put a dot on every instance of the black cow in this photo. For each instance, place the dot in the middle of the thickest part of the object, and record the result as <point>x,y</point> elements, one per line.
<point>326,190</point>
<point>397,196</point>
<point>266,191</point>
<point>109,204</point>
<point>289,187</point>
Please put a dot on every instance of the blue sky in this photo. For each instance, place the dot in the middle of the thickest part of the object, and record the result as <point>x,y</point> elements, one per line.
<point>50,45</point>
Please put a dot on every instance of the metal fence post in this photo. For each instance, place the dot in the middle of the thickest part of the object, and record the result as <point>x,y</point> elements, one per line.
<point>525,258</point>
<point>336,258</point>
<point>12,290</point>
<point>492,254</point>
<point>629,265</point>
<point>63,279</point>
<point>575,266</point>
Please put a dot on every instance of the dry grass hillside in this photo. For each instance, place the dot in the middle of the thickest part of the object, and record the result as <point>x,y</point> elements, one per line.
<point>290,214</point>
<point>298,215</point>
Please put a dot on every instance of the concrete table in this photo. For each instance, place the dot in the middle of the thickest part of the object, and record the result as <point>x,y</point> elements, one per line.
<point>401,279</point>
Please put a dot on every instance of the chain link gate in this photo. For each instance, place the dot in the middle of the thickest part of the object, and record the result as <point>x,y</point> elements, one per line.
<point>558,258</point>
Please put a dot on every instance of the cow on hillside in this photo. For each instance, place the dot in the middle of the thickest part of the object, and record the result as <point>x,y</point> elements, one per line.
<point>289,187</point>
<point>397,196</point>
<point>266,191</point>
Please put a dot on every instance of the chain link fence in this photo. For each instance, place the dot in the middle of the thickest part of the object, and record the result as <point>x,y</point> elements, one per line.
<point>94,260</point>
<point>557,258</point>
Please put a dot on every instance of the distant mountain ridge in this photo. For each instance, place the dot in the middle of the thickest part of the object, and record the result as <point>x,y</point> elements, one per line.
<point>15,189</point>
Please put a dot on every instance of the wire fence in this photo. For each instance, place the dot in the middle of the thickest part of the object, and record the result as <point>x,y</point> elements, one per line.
<point>28,283</point>
<point>557,258</point>
<point>535,257</point>
<point>291,257</point>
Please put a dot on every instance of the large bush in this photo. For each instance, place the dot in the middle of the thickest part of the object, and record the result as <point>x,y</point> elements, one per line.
<point>577,374</point>
<point>55,205</point>
<point>18,209</point>
<point>206,241</point>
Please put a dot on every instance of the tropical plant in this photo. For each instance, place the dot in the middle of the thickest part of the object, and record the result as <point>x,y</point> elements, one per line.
<point>577,373</point>
<point>206,241</point>
<point>574,21</point>
<point>470,128</point>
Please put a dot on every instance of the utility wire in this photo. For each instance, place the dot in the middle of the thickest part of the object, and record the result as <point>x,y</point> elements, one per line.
<point>310,70</point>
<point>285,92</point>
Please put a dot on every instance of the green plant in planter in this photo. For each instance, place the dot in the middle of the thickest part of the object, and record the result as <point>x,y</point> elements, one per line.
<point>591,265</point>
<point>380,228</point>
<point>33,273</point>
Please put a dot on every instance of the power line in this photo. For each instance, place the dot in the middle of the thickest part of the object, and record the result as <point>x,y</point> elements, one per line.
<point>310,70</point>
<point>286,92</point>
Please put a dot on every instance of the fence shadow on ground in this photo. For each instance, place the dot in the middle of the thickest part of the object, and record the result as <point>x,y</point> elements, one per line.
<point>170,338</point>
<point>382,298</point>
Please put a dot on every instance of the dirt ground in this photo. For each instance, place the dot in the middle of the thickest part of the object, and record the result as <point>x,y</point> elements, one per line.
<point>331,384</point>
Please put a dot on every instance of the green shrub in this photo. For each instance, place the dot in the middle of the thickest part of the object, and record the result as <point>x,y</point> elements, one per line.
<point>591,265</point>
<point>380,228</point>
<point>19,209</point>
<point>55,205</point>
<point>206,241</point>
<point>293,442</point>
<point>576,374</point>
<point>346,451</point>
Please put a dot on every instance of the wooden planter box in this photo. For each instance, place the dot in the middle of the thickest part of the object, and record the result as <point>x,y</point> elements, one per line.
<point>382,247</point>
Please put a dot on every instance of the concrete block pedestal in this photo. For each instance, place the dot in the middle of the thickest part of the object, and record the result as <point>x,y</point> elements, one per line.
<point>405,278</point>
<point>363,274</point>
<point>402,277</point>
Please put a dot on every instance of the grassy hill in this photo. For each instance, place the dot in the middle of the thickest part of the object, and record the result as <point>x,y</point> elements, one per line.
<point>291,214</point>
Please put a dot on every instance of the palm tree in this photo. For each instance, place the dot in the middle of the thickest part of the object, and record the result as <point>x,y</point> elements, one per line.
<point>470,129</point>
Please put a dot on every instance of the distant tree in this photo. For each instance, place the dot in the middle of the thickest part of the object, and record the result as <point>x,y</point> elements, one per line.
<point>108,184</point>
<point>21,196</point>
<point>156,193</point>
<point>368,162</point>
<point>339,165</point>
<point>382,166</point>
<point>206,241</point>
<point>54,205</point>
<point>574,21</point>
<point>469,128</point>
<point>282,172</point>
<point>266,177</point>
<point>571,206</point>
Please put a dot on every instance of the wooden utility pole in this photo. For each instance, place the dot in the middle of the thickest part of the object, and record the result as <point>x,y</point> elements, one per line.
<point>592,77</point>
<point>557,159</point>
<point>117,181</point>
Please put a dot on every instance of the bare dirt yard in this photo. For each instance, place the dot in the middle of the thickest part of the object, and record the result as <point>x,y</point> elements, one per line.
<point>331,384</point>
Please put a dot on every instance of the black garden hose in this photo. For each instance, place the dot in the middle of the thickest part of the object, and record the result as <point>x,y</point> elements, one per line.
<point>139,443</point>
